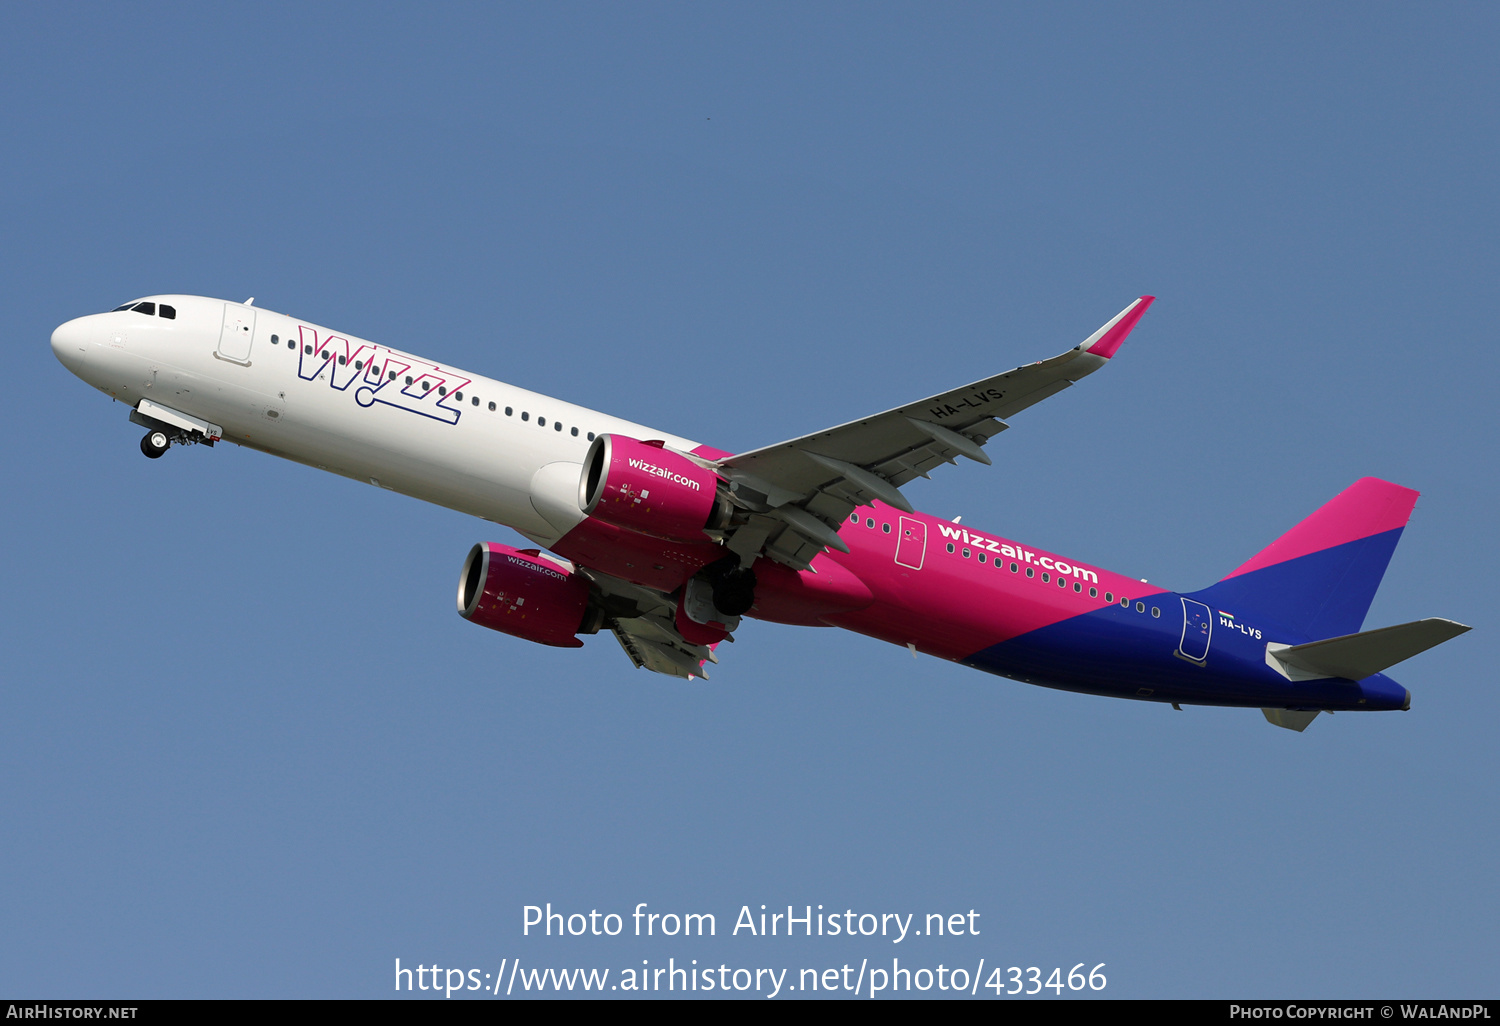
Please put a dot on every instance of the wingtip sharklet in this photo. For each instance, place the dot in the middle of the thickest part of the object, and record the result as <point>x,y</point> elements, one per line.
<point>1107,340</point>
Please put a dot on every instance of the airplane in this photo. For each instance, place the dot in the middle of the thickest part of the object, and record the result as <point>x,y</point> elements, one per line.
<point>669,543</point>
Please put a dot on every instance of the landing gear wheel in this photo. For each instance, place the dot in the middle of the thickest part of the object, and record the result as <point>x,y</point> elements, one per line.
<point>155,443</point>
<point>734,592</point>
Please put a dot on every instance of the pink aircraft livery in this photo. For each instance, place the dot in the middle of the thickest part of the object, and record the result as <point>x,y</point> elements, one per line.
<point>668,543</point>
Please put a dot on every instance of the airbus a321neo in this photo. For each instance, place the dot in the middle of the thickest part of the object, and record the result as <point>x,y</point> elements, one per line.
<point>667,543</point>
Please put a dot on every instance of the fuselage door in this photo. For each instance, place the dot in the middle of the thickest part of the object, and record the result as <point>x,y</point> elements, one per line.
<point>911,547</point>
<point>238,332</point>
<point>1197,630</point>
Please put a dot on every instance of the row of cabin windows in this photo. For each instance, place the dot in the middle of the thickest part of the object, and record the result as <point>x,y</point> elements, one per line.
<point>442,389</point>
<point>150,310</point>
<point>1062,582</point>
<point>1030,571</point>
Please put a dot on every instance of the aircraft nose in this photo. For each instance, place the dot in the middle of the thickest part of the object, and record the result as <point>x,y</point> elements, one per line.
<point>70,343</point>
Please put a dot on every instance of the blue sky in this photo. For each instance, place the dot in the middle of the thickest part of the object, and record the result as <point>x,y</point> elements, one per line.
<point>252,751</point>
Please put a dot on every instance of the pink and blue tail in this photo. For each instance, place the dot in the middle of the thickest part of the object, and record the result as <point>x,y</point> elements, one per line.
<point>1319,578</point>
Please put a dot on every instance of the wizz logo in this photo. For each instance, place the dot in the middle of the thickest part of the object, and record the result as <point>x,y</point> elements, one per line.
<point>383,375</point>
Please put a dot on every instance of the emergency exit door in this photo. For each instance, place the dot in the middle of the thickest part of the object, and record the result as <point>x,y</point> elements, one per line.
<point>911,547</point>
<point>1197,631</point>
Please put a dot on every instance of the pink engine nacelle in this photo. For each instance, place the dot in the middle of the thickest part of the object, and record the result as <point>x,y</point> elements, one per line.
<point>650,489</point>
<point>518,592</point>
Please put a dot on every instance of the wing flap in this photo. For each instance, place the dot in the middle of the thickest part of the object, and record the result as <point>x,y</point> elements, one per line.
<point>651,648</point>
<point>644,622</point>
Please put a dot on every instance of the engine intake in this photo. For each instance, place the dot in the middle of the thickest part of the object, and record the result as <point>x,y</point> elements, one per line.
<point>517,592</point>
<point>650,489</point>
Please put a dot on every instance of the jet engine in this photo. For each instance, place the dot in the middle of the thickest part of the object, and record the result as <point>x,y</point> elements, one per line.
<point>650,489</point>
<point>518,592</point>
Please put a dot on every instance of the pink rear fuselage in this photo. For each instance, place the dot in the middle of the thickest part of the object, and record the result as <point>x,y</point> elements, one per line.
<point>909,578</point>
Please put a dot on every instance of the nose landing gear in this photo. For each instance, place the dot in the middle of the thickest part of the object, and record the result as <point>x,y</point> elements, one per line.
<point>166,428</point>
<point>155,443</point>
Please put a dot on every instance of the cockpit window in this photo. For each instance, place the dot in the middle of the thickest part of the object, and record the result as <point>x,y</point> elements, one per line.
<point>149,309</point>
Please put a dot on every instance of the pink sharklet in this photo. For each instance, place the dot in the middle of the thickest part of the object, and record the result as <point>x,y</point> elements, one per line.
<point>1368,507</point>
<point>1113,334</point>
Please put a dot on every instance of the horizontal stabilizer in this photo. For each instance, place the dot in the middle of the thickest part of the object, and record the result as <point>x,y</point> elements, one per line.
<point>1291,719</point>
<point>1357,656</point>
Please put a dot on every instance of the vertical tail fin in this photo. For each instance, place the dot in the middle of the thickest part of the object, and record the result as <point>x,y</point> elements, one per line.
<point>1320,577</point>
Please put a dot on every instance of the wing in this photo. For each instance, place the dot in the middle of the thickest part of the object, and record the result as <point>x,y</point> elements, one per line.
<point>796,495</point>
<point>643,621</point>
<point>649,646</point>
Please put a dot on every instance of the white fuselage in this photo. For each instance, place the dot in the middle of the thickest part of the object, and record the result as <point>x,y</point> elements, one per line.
<point>340,403</point>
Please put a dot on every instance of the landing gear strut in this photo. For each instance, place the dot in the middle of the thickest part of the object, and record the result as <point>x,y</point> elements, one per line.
<point>155,443</point>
